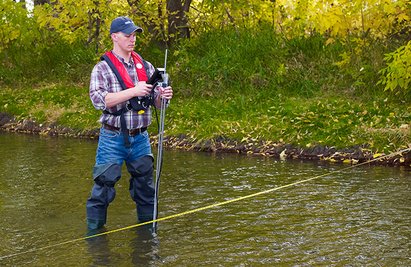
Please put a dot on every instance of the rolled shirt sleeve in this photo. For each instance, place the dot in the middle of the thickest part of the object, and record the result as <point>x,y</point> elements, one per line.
<point>99,86</point>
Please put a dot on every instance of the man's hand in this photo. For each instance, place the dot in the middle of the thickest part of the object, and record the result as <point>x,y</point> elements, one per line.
<point>166,93</point>
<point>142,89</point>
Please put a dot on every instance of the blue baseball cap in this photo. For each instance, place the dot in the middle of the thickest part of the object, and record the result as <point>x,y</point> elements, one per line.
<point>125,25</point>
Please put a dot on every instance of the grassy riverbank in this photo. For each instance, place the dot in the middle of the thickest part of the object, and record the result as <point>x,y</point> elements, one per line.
<point>251,88</point>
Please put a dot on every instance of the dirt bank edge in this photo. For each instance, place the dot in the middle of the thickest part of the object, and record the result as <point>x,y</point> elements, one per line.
<point>352,155</point>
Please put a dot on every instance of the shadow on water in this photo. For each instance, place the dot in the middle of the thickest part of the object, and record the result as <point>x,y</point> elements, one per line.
<point>99,249</point>
<point>358,217</point>
<point>145,249</point>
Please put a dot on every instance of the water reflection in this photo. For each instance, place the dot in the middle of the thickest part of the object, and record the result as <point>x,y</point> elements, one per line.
<point>99,249</point>
<point>144,248</point>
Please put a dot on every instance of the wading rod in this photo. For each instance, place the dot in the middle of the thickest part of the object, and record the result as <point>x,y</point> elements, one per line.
<point>159,162</point>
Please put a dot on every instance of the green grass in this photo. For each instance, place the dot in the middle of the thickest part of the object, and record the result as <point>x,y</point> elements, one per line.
<point>294,120</point>
<point>69,106</point>
<point>242,85</point>
<point>327,120</point>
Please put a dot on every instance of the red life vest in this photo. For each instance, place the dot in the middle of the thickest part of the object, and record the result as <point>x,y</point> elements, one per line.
<point>123,74</point>
<point>137,103</point>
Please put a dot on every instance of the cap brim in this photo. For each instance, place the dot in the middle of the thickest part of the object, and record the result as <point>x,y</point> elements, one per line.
<point>131,29</point>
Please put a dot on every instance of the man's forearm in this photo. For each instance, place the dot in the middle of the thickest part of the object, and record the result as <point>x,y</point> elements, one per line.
<point>113,99</point>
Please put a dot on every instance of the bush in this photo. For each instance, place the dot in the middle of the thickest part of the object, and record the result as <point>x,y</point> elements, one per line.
<point>397,75</point>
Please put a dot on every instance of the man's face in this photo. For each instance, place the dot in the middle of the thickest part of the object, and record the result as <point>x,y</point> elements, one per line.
<point>125,42</point>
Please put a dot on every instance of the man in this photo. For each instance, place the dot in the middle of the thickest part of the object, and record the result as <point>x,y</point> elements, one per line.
<point>116,81</point>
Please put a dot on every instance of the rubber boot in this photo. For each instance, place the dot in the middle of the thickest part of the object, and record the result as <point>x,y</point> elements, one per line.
<point>95,224</point>
<point>142,187</point>
<point>102,194</point>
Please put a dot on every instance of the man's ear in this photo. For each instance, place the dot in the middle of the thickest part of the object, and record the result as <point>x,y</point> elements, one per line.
<point>114,36</point>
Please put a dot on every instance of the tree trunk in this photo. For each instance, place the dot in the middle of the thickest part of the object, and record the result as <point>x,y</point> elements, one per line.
<point>177,19</point>
<point>41,2</point>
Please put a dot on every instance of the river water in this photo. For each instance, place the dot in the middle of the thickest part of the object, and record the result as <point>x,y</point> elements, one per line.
<point>346,217</point>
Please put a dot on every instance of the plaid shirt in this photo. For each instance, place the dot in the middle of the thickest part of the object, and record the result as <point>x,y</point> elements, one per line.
<point>104,81</point>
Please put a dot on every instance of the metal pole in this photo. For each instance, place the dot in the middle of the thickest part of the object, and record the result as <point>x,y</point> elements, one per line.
<point>159,162</point>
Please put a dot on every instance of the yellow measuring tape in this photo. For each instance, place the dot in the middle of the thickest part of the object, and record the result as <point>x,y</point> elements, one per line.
<point>198,209</point>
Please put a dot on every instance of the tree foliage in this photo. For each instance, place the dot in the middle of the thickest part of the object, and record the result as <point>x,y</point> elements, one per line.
<point>358,25</point>
<point>398,72</point>
<point>89,20</point>
<point>14,23</point>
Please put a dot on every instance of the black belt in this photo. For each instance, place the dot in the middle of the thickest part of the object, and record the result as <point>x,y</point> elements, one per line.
<point>131,132</point>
